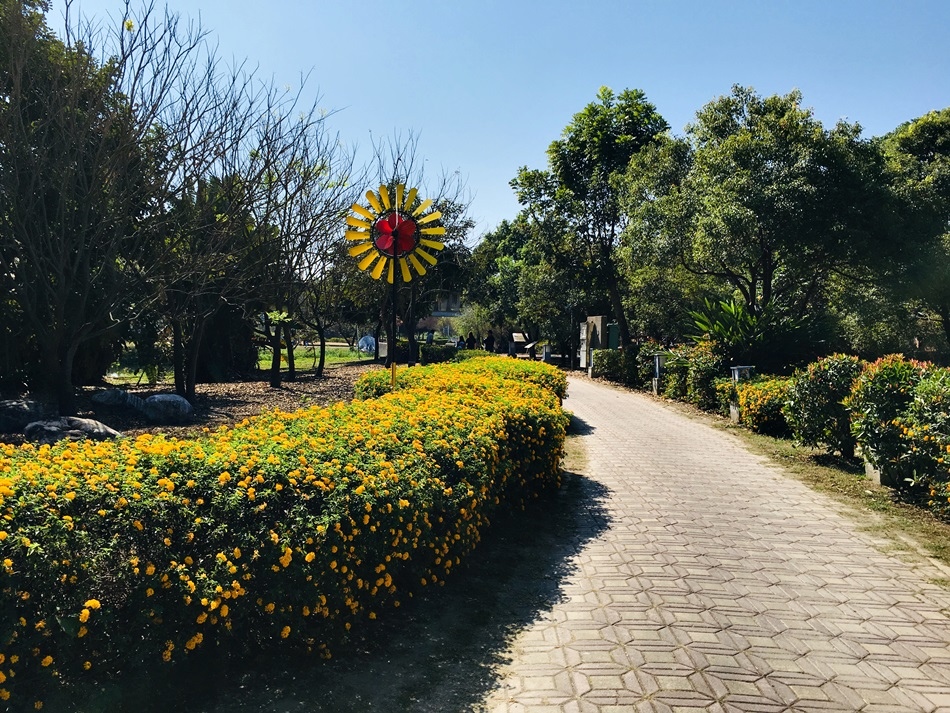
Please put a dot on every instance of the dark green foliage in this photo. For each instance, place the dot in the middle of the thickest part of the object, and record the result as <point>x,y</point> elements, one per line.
<point>705,365</point>
<point>645,362</point>
<point>436,353</point>
<point>815,408</point>
<point>617,365</point>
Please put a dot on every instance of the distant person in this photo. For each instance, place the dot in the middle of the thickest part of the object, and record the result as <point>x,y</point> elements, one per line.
<point>490,342</point>
<point>471,342</point>
<point>460,344</point>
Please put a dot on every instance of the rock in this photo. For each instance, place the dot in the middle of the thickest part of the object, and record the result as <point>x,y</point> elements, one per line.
<point>68,427</point>
<point>17,413</point>
<point>111,397</point>
<point>167,409</point>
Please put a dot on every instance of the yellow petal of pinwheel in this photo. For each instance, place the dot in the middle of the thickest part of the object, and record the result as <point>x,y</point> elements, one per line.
<point>367,261</point>
<point>404,269</point>
<point>356,235</point>
<point>425,256</point>
<point>384,196</point>
<point>357,208</point>
<point>419,267</point>
<point>429,218</point>
<point>374,201</point>
<point>434,244</point>
<point>423,207</point>
<point>390,273</point>
<point>400,189</point>
<point>378,270</point>
<point>410,198</point>
<point>435,230</point>
<point>360,249</point>
<point>357,223</point>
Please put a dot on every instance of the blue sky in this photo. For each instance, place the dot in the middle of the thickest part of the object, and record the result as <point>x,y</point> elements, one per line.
<point>486,85</point>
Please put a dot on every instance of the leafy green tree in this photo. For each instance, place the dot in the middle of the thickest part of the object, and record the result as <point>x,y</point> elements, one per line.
<point>581,186</point>
<point>761,197</point>
<point>918,153</point>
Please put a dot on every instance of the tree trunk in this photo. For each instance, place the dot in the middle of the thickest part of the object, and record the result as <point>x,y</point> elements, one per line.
<point>321,335</point>
<point>273,335</point>
<point>194,353</point>
<point>616,303</point>
<point>59,365</point>
<point>291,369</point>
<point>178,357</point>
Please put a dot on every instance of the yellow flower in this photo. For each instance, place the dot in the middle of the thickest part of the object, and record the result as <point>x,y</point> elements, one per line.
<point>285,632</point>
<point>92,604</point>
<point>47,660</point>
<point>84,616</point>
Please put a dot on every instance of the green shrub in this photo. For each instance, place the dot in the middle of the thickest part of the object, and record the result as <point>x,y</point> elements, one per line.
<point>617,365</point>
<point>704,366</point>
<point>643,359</point>
<point>760,405</point>
<point>675,371</point>
<point>436,353</point>
<point>815,408</point>
<point>882,391</point>
<point>607,364</point>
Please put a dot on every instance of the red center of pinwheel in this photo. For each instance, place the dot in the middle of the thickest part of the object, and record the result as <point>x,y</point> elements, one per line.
<point>395,235</point>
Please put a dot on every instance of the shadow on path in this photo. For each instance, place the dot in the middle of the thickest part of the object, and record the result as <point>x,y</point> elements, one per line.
<point>440,653</point>
<point>579,427</point>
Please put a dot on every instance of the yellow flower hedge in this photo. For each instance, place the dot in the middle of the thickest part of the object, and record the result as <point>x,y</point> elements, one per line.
<point>760,405</point>
<point>378,383</point>
<point>288,529</point>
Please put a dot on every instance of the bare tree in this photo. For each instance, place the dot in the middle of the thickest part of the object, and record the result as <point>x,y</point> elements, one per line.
<point>102,134</point>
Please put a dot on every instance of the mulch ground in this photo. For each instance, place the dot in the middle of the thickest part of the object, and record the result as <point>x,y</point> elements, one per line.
<point>223,404</point>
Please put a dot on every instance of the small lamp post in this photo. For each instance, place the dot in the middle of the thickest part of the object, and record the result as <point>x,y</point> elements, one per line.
<point>738,374</point>
<point>658,361</point>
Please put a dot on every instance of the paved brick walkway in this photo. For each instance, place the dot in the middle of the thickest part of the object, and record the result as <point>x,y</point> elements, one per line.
<point>721,585</point>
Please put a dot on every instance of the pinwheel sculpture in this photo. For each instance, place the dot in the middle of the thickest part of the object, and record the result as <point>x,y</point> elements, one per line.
<point>393,235</point>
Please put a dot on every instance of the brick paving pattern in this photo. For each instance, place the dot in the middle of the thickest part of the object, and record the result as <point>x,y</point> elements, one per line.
<point>721,585</point>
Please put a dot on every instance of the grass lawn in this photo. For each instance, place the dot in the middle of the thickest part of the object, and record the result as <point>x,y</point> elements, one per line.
<point>306,358</point>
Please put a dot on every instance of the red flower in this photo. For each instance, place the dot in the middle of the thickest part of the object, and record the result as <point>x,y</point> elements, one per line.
<point>395,230</point>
